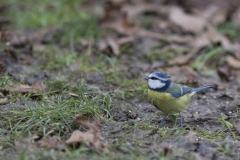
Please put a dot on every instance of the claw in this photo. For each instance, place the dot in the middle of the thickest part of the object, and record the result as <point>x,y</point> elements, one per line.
<point>162,121</point>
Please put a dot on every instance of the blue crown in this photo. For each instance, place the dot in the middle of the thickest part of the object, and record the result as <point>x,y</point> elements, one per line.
<point>160,75</point>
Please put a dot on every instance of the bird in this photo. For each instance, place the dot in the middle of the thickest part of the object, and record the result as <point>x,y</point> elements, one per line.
<point>170,97</point>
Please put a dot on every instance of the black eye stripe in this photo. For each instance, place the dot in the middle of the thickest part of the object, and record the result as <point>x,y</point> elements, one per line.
<point>153,78</point>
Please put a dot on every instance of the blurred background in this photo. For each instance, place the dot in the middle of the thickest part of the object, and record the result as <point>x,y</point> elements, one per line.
<point>90,57</point>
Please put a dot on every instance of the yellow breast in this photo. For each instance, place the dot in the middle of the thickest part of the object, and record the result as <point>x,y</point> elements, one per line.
<point>166,103</point>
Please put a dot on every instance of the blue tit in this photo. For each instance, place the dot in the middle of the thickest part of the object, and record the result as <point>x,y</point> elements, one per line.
<point>170,97</point>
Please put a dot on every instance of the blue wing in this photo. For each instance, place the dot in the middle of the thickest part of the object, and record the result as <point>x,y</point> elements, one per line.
<point>178,90</point>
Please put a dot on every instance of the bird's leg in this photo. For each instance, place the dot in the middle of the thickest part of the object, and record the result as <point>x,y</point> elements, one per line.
<point>162,121</point>
<point>181,121</point>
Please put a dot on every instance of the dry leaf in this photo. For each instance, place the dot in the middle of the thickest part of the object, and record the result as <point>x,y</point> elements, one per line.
<point>224,73</point>
<point>19,39</point>
<point>38,86</point>
<point>109,42</point>
<point>214,14</point>
<point>211,36</point>
<point>168,38</point>
<point>85,121</point>
<point>182,59</point>
<point>51,142</point>
<point>92,138</point>
<point>202,41</point>
<point>182,73</point>
<point>124,26</point>
<point>73,94</point>
<point>236,17</point>
<point>236,49</point>
<point>26,145</point>
<point>35,137</point>
<point>217,37</point>
<point>187,22</point>
<point>76,137</point>
<point>113,43</point>
<point>135,10</point>
<point>40,34</point>
<point>234,63</point>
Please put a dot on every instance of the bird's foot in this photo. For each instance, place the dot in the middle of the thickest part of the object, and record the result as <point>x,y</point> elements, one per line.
<point>162,121</point>
<point>181,121</point>
<point>181,125</point>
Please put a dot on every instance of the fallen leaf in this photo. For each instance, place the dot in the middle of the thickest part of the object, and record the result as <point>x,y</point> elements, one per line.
<point>41,34</point>
<point>26,145</point>
<point>73,94</point>
<point>20,39</point>
<point>134,10</point>
<point>187,22</point>
<point>232,62</point>
<point>114,46</point>
<point>35,137</point>
<point>76,137</point>
<point>224,73</point>
<point>113,43</point>
<point>104,44</point>
<point>125,40</point>
<point>23,88</point>
<point>217,37</point>
<point>211,36</point>
<point>168,38</point>
<point>184,74</point>
<point>52,142</point>
<point>39,85</point>
<point>236,17</point>
<point>236,49</point>
<point>85,121</point>
<point>92,138</point>
<point>124,25</point>
<point>183,59</point>
<point>214,14</point>
<point>15,38</point>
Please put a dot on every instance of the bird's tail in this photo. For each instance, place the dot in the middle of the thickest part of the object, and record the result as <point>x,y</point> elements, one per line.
<point>202,88</point>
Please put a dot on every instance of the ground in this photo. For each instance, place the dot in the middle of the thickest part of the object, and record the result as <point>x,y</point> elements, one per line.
<point>72,79</point>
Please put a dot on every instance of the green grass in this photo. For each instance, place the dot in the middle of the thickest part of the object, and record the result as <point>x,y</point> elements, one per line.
<point>230,30</point>
<point>56,110</point>
<point>5,81</point>
<point>208,60</point>
<point>34,14</point>
<point>216,136</point>
<point>73,24</point>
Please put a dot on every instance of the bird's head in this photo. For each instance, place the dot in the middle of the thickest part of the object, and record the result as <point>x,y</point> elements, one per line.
<point>158,81</point>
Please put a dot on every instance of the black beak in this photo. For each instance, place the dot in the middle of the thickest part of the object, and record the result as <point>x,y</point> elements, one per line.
<point>146,78</point>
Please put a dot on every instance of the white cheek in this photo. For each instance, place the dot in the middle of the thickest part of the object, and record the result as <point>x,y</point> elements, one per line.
<point>155,84</point>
